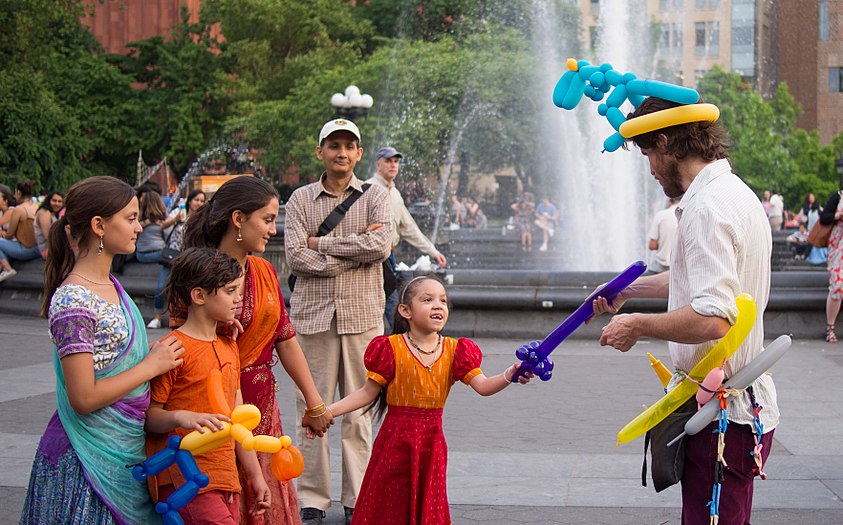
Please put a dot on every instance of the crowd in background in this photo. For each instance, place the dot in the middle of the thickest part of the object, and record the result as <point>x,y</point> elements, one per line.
<point>25,221</point>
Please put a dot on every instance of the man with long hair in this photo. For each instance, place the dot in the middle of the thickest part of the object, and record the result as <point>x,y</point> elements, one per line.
<point>722,248</point>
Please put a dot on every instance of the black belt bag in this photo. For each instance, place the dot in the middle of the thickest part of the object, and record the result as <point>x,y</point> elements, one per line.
<point>668,463</point>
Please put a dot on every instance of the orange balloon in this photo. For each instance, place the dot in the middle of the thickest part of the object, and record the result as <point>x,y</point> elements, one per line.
<point>298,461</point>
<point>216,396</point>
<point>287,464</point>
<point>282,465</point>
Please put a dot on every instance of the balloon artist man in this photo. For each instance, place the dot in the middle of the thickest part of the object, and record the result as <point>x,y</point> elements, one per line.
<point>722,248</point>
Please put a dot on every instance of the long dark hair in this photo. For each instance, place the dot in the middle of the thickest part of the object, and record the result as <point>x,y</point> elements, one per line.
<point>45,204</point>
<point>400,325</point>
<point>190,196</point>
<point>26,188</point>
<point>207,226</point>
<point>92,197</point>
<point>7,195</point>
<point>151,208</point>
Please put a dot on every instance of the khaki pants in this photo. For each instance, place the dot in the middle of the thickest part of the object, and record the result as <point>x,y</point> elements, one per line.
<point>335,361</point>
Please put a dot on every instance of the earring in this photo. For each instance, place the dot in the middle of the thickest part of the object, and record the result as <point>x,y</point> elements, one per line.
<point>99,250</point>
<point>239,236</point>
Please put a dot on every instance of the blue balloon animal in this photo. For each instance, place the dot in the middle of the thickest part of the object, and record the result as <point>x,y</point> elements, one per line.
<point>534,355</point>
<point>595,82</point>
<point>194,480</point>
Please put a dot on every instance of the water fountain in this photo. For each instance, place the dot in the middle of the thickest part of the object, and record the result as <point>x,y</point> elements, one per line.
<point>606,198</point>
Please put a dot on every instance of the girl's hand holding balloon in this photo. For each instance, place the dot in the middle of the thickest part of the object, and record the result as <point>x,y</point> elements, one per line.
<point>523,378</point>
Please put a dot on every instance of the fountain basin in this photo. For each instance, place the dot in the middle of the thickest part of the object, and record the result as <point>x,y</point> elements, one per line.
<point>520,304</point>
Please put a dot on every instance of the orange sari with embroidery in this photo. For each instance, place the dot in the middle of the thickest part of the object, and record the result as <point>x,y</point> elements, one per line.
<point>265,322</point>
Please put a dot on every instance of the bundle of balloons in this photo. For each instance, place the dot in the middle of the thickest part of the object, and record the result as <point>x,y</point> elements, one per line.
<point>287,461</point>
<point>595,82</point>
<point>709,374</point>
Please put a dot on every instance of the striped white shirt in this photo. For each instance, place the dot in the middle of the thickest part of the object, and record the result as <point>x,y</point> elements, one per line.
<point>722,248</point>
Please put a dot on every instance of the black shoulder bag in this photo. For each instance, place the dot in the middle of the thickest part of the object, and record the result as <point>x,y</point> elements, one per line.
<point>331,222</point>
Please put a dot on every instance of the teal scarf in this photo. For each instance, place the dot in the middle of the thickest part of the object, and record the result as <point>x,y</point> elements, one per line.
<point>109,439</point>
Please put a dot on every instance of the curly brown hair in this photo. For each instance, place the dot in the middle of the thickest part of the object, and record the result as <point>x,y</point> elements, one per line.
<point>707,140</point>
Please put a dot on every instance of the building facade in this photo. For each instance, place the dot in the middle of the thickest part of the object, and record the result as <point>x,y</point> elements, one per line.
<point>691,36</point>
<point>810,59</point>
<point>115,23</point>
<point>768,42</point>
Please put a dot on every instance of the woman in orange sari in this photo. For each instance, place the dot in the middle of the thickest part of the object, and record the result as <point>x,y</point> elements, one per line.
<point>239,220</point>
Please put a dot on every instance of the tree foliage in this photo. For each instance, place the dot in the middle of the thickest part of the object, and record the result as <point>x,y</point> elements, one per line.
<point>768,151</point>
<point>180,91</point>
<point>454,80</point>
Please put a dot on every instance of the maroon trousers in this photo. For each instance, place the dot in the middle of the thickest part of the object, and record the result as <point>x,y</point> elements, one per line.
<point>736,489</point>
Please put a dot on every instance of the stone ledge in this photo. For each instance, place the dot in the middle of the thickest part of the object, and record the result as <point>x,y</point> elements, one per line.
<point>493,303</point>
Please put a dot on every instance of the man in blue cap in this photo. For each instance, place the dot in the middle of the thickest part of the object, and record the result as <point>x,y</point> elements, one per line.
<point>387,162</point>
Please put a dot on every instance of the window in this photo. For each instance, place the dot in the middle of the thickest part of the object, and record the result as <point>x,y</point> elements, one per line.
<point>835,79</point>
<point>676,37</point>
<point>707,4</point>
<point>595,7</point>
<point>824,20</point>
<point>744,35</point>
<point>670,40</point>
<point>593,36</point>
<point>707,38</point>
<point>668,5</point>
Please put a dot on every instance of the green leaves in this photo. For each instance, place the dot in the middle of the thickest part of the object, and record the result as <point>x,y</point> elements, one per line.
<point>451,79</point>
<point>768,151</point>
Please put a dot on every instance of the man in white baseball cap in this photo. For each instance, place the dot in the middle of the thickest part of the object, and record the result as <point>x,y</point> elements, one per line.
<point>339,124</point>
<point>336,307</point>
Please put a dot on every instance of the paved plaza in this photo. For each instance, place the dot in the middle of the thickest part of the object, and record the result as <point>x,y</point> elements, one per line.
<point>541,453</point>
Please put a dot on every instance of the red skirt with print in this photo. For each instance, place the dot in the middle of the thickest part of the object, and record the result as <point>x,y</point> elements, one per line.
<point>405,480</point>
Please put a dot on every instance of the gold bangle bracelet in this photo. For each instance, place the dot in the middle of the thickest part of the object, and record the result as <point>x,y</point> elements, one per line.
<point>315,409</point>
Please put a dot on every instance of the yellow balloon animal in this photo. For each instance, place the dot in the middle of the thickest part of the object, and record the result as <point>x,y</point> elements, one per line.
<point>287,461</point>
<point>652,416</point>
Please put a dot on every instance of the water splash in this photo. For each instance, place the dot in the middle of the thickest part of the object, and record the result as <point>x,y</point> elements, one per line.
<point>605,199</point>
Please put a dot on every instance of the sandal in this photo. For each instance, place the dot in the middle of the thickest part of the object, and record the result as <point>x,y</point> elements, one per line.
<point>829,333</point>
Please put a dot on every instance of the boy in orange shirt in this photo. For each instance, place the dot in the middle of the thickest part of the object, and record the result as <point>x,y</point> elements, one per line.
<point>208,281</point>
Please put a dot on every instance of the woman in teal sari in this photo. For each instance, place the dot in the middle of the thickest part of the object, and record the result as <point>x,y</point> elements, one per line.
<point>103,365</point>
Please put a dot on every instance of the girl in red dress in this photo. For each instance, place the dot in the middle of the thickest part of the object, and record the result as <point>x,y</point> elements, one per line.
<point>412,372</point>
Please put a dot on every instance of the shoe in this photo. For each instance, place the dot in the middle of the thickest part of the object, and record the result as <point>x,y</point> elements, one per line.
<point>550,232</point>
<point>349,512</point>
<point>543,248</point>
<point>312,516</point>
<point>830,336</point>
<point>6,274</point>
<point>155,323</point>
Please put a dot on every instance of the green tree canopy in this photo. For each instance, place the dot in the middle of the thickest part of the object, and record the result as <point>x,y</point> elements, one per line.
<point>768,151</point>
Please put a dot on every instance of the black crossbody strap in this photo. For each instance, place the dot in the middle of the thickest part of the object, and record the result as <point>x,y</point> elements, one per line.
<point>339,212</point>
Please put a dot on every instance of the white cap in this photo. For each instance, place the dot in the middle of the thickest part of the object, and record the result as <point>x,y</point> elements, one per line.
<point>338,125</point>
